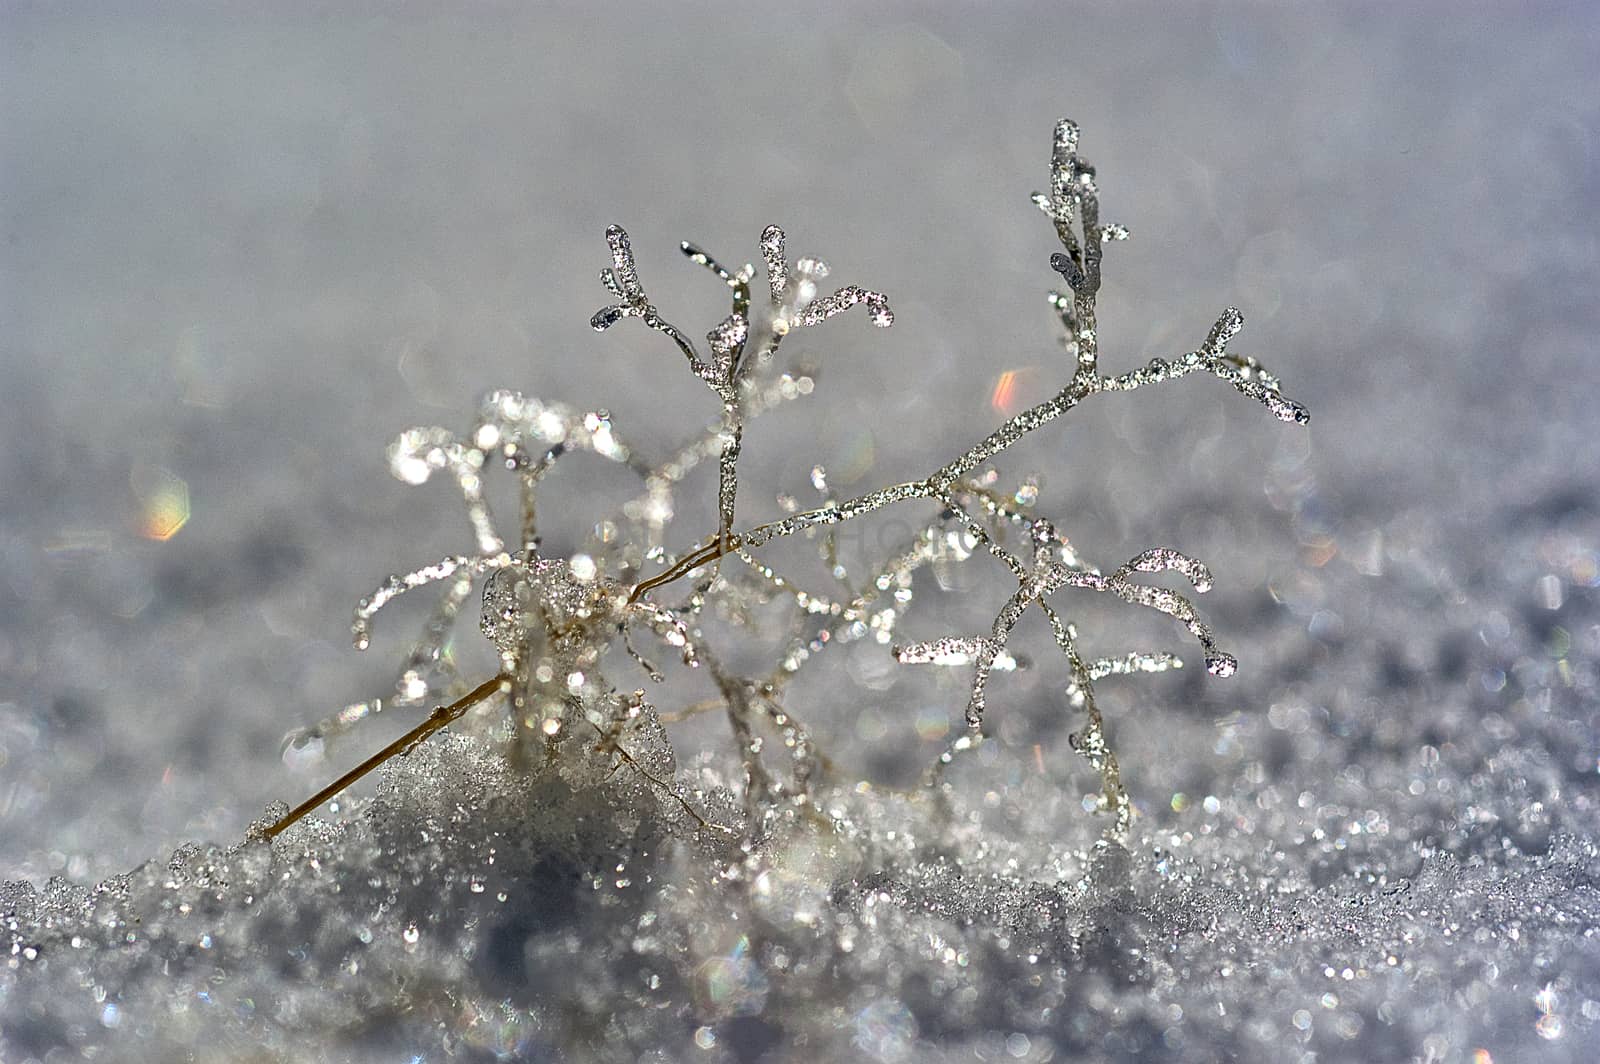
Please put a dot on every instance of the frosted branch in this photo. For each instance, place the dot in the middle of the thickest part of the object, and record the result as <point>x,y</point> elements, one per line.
<point>554,619</point>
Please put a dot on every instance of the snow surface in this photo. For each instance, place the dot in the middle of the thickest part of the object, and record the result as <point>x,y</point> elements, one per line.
<point>241,254</point>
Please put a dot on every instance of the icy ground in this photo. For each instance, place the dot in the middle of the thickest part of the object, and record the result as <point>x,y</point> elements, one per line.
<point>241,256</point>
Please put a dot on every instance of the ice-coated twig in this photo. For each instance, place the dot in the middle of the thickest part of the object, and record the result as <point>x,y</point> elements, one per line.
<point>399,583</point>
<point>1133,662</point>
<point>621,279</point>
<point>415,455</point>
<point>1090,742</point>
<point>1046,575</point>
<point>654,506</point>
<point>553,619</point>
<point>739,282</point>
<point>1074,199</point>
<point>794,304</point>
<point>426,672</point>
<point>1247,376</point>
<point>950,650</point>
<point>1218,661</point>
<point>667,626</point>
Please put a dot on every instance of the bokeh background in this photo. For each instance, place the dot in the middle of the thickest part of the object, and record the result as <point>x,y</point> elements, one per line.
<point>240,251</point>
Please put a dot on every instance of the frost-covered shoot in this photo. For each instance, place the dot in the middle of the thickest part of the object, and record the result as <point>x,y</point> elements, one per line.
<point>553,619</point>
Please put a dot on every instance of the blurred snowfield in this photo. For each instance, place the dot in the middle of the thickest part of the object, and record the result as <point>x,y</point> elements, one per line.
<point>242,252</point>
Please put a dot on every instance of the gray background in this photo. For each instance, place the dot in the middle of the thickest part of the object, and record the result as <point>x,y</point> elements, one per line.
<point>245,251</point>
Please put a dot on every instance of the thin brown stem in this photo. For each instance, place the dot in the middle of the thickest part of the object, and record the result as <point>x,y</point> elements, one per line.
<point>402,746</point>
<point>609,743</point>
<point>688,563</point>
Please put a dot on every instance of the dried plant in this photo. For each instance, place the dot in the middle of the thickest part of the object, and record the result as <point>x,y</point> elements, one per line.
<point>553,619</point>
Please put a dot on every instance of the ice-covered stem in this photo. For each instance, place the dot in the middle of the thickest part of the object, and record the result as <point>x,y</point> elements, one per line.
<point>1248,377</point>
<point>1090,742</point>
<point>1074,200</point>
<point>564,617</point>
<point>1135,661</point>
<point>1045,576</point>
<point>1160,559</point>
<point>515,427</point>
<point>621,279</point>
<point>426,669</point>
<point>400,583</point>
<point>417,453</point>
<point>738,282</point>
<point>793,304</point>
<point>1252,384</point>
<point>1048,575</point>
